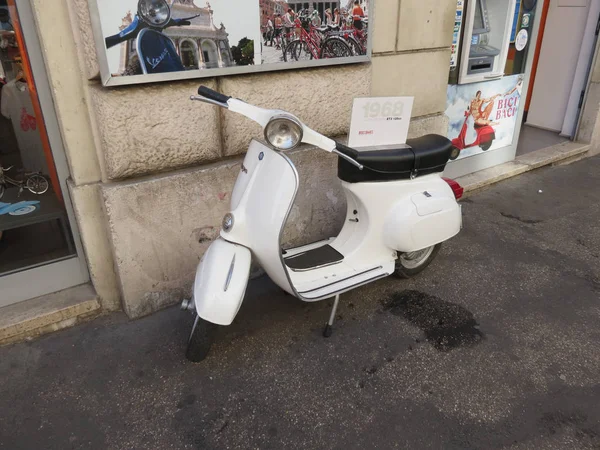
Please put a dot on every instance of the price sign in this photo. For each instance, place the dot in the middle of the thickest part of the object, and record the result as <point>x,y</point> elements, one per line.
<point>380,121</point>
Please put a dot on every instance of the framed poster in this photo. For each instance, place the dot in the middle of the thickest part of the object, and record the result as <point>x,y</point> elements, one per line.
<point>141,41</point>
<point>483,116</point>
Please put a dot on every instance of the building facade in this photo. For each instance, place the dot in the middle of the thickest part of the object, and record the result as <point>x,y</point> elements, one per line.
<point>145,174</point>
<point>269,8</point>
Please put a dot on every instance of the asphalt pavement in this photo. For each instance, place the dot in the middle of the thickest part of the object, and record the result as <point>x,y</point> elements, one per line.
<point>495,346</point>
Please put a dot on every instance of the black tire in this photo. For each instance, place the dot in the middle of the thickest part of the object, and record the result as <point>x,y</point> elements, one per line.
<point>486,146</point>
<point>356,48</point>
<point>335,47</point>
<point>402,271</point>
<point>201,339</point>
<point>297,50</point>
<point>134,67</point>
<point>454,153</point>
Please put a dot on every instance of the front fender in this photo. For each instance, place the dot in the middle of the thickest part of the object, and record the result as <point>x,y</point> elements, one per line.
<point>221,280</point>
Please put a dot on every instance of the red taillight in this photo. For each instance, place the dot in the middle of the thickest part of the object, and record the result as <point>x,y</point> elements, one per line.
<point>456,188</point>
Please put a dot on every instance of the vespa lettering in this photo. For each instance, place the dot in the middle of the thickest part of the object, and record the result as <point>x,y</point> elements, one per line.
<point>156,61</point>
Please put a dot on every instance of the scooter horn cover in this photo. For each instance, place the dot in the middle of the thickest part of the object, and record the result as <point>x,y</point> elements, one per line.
<point>158,53</point>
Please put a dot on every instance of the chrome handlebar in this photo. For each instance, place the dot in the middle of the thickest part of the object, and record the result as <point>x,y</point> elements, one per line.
<point>214,101</point>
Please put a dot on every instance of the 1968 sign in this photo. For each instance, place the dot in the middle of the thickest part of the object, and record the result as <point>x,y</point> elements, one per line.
<point>379,121</point>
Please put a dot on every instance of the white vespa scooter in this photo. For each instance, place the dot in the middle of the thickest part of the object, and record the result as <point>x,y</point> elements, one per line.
<point>399,210</point>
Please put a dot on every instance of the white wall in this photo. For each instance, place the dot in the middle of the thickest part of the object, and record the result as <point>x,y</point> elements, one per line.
<point>563,35</point>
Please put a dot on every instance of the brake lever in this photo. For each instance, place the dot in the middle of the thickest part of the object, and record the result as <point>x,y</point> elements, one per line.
<point>200,98</point>
<point>181,22</point>
<point>349,159</point>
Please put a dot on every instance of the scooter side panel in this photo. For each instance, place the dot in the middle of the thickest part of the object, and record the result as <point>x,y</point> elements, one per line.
<point>422,219</point>
<point>221,280</point>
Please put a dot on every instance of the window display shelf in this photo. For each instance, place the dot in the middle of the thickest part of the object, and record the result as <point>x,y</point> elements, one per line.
<point>28,209</point>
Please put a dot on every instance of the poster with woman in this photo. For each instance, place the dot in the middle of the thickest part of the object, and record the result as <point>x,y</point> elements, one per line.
<point>483,116</point>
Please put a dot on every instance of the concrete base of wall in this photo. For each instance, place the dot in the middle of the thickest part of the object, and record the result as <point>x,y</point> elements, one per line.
<point>53,312</point>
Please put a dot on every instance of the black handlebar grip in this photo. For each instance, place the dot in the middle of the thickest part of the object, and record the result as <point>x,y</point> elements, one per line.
<point>111,41</point>
<point>213,95</point>
<point>346,150</point>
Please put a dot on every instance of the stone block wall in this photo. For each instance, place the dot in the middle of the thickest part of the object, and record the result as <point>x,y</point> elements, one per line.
<point>154,170</point>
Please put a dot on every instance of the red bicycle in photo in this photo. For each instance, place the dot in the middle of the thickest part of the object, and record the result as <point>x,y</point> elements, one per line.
<point>314,43</point>
<point>357,39</point>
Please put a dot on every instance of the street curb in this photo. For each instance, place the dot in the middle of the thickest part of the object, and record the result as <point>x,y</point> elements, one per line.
<point>565,152</point>
<point>48,313</point>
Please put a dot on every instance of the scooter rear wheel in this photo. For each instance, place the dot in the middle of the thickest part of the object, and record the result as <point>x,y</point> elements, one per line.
<point>412,263</point>
<point>201,338</point>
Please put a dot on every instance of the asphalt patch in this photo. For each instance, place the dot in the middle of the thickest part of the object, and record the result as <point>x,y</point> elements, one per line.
<point>446,325</point>
<point>528,221</point>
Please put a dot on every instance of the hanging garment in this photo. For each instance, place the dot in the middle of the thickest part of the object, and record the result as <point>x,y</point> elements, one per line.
<point>16,106</point>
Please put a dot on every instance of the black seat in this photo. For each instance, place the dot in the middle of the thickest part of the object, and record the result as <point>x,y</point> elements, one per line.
<point>421,156</point>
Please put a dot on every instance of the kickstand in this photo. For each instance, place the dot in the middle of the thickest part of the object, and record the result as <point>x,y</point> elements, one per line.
<point>328,327</point>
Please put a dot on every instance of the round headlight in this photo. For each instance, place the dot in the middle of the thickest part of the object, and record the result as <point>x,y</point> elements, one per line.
<point>283,132</point>
<point>155,13</point>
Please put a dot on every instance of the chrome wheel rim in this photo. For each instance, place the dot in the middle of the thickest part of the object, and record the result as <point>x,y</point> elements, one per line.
<point>37,184</point>
<point>412,260</point>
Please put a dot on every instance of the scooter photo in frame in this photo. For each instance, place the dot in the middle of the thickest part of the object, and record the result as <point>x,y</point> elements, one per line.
<point>399,211</point>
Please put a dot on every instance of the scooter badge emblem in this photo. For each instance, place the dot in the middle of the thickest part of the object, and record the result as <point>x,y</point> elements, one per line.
<point>261,155</point>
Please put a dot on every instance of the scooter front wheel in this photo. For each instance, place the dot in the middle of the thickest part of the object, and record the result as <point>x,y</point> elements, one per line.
<point>201,339</point>
<point>412,263</point>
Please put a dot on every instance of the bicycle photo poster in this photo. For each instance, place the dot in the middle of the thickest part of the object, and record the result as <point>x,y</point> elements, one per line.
<point>141,41</point>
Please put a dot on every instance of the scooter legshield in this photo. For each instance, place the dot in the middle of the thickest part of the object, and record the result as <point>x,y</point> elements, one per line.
<point>221,280</point>
<point>157,53</point>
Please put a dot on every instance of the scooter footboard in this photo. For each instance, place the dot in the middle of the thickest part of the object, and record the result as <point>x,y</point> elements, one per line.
<point>221,281</point>
<point>421,220</point>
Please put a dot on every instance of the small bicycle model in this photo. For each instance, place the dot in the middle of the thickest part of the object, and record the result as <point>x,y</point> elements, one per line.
<point>35,182</point>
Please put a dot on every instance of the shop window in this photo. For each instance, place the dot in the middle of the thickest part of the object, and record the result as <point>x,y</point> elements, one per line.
<point>34,228</point>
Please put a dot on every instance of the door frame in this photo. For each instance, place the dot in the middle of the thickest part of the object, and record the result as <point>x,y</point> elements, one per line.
<point>67,272</point>
<point>589,62</point>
